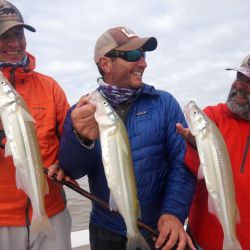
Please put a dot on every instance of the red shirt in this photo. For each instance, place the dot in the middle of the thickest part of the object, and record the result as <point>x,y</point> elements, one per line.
<point>204,226</point>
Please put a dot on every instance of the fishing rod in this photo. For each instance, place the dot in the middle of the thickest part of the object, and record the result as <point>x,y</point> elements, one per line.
<point>92,197</point>
<point>99,201</point>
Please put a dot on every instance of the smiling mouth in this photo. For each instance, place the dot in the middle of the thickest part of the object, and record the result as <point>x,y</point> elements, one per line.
<point>240,99</point>
<point>137,73</point>
<point>13,53</point>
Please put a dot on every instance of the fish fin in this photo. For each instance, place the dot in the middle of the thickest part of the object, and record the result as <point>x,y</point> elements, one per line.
<point>123,144</point>
<point>210,205</point>
<point>7,149</point>
<point>112,204</point>
<point>46,186</point>
<point>235,245</point>
<point>200,174</point>
<point>19,183</point>
<point>41,224</point>
<point>237,215</point>
<point>137,242</point>
<point>139,209</point>
<point>27,116</point>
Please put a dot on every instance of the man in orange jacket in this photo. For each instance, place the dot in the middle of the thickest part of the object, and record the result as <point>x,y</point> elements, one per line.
<point>233,121</point>
<point>48,106</point>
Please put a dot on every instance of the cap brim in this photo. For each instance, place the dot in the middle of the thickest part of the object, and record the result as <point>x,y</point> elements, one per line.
<point>11,24</point>
<point>244,71</point>
<point>147,43</point>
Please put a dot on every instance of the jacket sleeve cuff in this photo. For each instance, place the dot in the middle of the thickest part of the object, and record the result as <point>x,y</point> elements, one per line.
<point>86,143</point>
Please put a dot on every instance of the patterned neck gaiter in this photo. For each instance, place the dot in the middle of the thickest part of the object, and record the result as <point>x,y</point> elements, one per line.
<point>22,63</point>
<point>116,95</point>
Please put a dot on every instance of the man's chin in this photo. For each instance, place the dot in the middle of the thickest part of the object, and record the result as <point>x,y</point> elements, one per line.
<point>240,110</point>
<point>136,85</point>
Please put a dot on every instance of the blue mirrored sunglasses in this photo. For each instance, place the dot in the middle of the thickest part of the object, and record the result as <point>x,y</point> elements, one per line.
<point>129,56</point>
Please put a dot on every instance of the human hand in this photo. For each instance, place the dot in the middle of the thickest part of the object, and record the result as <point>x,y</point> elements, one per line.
<point>83,119</point>
<point>186,134</point>
<point>172,233</point>
<point>54,171</point>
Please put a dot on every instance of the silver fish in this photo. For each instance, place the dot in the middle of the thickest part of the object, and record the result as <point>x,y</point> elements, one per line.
<point>118,166</point>
<point>217,171</point>
<point>22,144</point>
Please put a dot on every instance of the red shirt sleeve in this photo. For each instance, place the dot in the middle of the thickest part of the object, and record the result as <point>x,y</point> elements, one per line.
<point>192,159</point>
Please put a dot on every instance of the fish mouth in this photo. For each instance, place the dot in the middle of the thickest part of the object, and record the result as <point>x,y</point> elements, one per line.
<point>189,106</point>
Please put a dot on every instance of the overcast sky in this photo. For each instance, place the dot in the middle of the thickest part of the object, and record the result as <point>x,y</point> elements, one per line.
<point>197,40</point>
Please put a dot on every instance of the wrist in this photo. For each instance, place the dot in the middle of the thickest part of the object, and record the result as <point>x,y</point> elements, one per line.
<point>85,142</point>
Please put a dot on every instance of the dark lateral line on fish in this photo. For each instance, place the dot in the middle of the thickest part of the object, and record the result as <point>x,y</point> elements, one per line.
<point>99,201</point>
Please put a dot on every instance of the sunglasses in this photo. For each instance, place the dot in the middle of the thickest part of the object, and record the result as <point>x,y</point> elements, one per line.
<point>129,56</point>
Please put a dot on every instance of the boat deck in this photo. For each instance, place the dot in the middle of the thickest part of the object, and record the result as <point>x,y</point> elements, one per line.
<point>81,248</point>
<point>80,240</point>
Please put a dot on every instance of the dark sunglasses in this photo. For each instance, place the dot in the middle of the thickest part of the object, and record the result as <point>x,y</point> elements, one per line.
<point>129,56</point>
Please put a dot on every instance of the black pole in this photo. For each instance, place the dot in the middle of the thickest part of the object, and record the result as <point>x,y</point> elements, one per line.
<point>99,201</point>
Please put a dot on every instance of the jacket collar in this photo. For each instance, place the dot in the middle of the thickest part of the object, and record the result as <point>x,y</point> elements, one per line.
<point>20,73</point>
<point>149,90</point>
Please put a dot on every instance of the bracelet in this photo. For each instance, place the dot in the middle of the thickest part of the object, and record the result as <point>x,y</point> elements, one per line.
<point>86,143</point>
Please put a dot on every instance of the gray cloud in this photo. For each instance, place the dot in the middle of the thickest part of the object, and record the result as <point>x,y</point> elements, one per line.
<point>197,41</point>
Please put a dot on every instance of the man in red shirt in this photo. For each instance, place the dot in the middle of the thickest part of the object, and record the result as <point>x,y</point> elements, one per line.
<point>233,120</point>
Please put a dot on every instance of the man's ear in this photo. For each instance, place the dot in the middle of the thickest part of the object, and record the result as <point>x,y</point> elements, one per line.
<point>105,64</point>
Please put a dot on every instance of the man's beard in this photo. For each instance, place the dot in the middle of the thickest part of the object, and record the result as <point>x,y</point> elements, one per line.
<point>242,111</point>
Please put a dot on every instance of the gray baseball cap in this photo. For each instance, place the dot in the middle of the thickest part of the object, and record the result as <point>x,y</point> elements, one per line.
<point>10,17</point>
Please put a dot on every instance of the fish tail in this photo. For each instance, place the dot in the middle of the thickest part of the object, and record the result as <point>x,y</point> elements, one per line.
<point>41,224</point>
<point>137,243</point>
<point>235,245</point>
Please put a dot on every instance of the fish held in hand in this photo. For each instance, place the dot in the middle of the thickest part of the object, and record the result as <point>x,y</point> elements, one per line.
<point>22,145</point>
<point>118,167</point>
<point>216,169</point>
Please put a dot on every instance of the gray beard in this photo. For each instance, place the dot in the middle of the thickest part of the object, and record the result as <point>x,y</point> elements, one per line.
<point>242,111</point>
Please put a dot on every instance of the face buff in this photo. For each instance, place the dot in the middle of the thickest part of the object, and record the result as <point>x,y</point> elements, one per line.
<point>116,95</point>
<point>22,63</point>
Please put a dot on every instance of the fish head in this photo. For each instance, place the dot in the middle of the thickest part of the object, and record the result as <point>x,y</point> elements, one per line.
<point>196,119</point>
<point>104,114</point>
<point>7,92</point>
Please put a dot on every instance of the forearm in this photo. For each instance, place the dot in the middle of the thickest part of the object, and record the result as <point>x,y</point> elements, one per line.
<point>75,159</point>
<point>179,192</point>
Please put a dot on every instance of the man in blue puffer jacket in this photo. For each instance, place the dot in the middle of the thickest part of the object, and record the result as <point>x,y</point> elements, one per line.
<point>165,186</point>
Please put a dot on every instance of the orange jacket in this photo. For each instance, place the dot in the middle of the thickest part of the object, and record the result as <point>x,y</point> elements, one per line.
<point>48,106</point>
<point>204,226</point>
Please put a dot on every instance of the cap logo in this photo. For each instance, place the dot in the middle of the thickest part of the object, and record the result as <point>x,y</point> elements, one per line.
<point>5,11</point>
<point>128,32</point>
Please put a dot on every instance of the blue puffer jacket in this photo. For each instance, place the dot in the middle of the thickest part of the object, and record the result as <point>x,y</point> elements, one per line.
<point>164,184</point>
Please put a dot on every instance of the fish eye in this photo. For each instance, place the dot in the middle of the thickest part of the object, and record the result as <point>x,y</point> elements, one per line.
<point>2,82</point>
